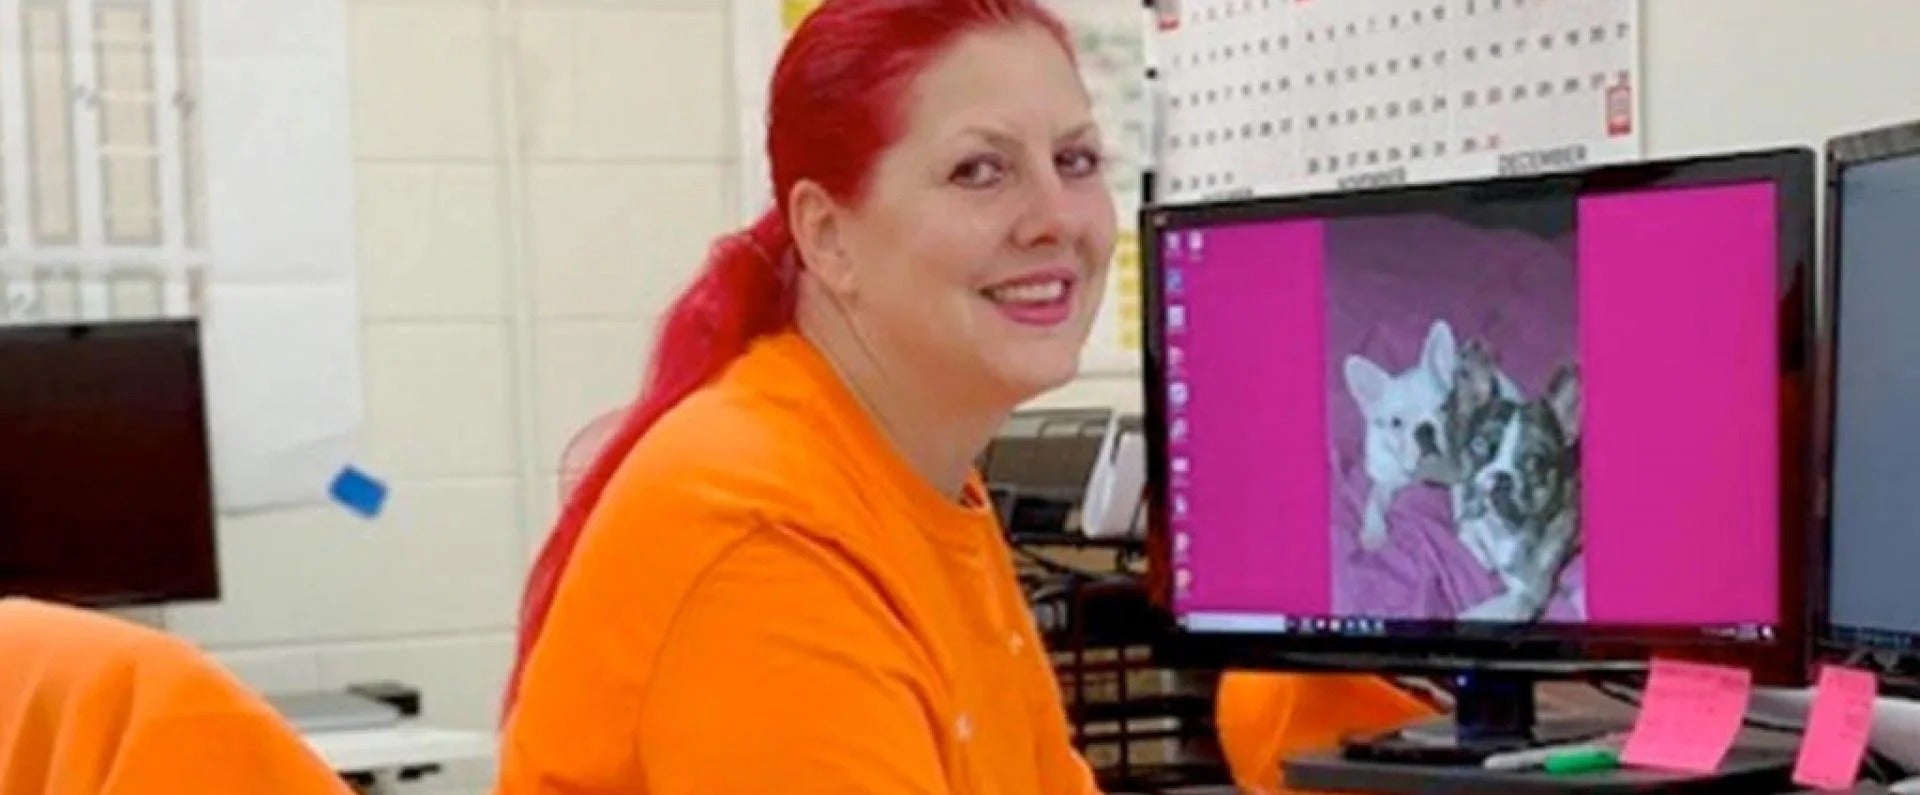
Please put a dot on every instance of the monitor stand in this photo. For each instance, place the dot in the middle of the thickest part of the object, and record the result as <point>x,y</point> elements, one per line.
<point>1494,712</point>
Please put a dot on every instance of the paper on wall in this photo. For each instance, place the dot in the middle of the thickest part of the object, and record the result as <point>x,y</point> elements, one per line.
<point>285,362</point>
<point>281,316</point>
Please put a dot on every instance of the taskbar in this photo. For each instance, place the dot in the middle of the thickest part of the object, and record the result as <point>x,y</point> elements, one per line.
<point>1874,640</point>
<point>1218,622</point>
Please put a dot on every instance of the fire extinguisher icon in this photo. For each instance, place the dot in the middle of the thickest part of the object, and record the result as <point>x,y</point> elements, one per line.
<point>1620,107</point>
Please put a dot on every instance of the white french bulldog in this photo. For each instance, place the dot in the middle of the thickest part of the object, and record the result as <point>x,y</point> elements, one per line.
<point>1404,426</point>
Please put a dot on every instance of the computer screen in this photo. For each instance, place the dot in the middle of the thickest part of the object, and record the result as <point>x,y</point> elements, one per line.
<point>1874,216</point>
<point>1545,407</point>
<point>105,487</point>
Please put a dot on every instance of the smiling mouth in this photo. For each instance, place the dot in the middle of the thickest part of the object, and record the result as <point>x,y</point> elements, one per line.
<point>1034,302</point>
<point>1046,292</point>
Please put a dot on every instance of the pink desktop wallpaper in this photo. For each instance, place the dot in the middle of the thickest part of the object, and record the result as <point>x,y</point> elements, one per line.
<point>1658,297</point>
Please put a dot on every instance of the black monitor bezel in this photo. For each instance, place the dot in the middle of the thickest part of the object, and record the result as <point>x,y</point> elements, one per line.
<point>200,579</point>
<point>1782,660</point>
<point>1897,663</point>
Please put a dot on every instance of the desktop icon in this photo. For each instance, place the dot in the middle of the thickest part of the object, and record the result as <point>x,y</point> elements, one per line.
<point>1173,242</point>
<point>1183,579</point>
<point>1177,393</point>
<point>1176,357</point>
<point>1180,505</point>
<point>1178,429</point>
<point>1194,240</point>
<point>1181,543</point>
<point>1176,318</point>
<point>1181,465</point>
<point>1176,282</point>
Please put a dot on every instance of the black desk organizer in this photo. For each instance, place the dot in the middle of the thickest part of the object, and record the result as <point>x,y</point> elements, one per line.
<point>1143,728</point>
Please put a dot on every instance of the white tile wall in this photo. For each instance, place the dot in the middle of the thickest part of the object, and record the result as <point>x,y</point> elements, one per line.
<point>623,128</point>
<point>438,399</point>
<point>624,82</point>
<point>283,670</point>
<point>423,81</point>
<point>444,557</point>
<point>620,240</point>
<point>432,240</point>
<point>584,368</point>
<point>622,196</point>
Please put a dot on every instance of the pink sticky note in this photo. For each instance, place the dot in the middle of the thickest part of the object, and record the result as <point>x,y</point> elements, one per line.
<point>1837,729</point>
<point>1689,716</point>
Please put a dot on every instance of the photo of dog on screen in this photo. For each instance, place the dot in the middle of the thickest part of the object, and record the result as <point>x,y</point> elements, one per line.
<point>1453,410</point>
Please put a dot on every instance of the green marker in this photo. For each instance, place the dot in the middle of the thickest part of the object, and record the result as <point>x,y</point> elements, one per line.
<point>1587,761</point>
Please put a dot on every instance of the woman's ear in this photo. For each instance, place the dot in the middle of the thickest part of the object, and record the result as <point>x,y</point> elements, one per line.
<point>820,236</point>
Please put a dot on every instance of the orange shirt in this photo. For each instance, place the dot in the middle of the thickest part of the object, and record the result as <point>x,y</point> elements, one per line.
<point>90,705</point>
<point>767,599</point>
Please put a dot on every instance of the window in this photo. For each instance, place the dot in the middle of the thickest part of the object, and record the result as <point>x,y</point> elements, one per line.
<point>101,182</point>
<point>99,140</point>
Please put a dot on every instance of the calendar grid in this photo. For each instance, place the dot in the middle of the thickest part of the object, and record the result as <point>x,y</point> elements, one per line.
<point>1266,97</point>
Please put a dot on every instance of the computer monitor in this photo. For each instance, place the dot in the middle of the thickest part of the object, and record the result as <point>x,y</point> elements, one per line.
<point>105,488</point>
<point>1509,426</point>
<point>1873,234</point>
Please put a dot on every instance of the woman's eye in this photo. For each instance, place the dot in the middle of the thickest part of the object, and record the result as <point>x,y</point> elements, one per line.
<point>1078,162</point>
<point>979,172</point>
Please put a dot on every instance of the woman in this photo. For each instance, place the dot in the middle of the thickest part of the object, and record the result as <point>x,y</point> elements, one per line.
<point>787,577</point>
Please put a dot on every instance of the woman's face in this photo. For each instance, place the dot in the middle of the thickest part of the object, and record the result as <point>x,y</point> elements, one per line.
<point>979,254</point>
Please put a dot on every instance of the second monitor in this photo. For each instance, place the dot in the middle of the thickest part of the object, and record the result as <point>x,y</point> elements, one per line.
<point>1523,424</point>
<point>1873,202</point>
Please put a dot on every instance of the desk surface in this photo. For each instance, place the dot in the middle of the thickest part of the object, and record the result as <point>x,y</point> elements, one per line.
<point>401,746</point>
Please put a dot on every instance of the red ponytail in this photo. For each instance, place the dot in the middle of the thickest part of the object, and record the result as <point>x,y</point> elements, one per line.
<point>837,94</point>
<point>745,291</point>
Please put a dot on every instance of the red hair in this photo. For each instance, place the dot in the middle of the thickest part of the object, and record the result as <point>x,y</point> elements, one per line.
<point>837,102</point>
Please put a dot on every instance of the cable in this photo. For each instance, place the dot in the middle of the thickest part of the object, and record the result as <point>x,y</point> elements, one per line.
<point>1056,567</point>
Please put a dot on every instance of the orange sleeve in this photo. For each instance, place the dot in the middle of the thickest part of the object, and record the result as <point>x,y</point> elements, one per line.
<point>785,672</point>
<point>1264,718</point>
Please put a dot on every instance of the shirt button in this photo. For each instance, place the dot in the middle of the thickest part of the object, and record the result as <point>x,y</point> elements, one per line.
<point>963,727</point>
<point>1016,644</point>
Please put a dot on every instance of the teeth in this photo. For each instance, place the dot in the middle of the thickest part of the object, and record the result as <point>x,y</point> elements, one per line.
<point>1035,293</point>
